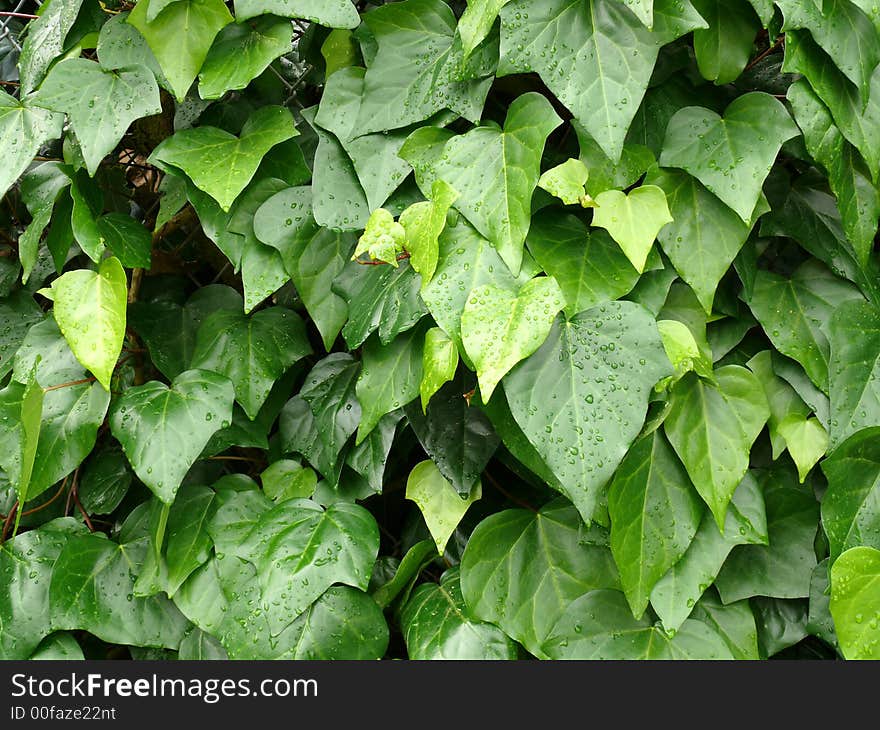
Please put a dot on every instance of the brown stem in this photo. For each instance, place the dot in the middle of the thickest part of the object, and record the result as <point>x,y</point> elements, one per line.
<point>26,16</point>
<point>7,523</point>
<point>761,56</point>
<point>82,509</point>
<point>70,384</point>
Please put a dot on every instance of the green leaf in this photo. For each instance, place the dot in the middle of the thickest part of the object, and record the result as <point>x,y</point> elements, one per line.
<point>45,41</point>
<point>599,625</point>
<point>712,427</point>
<point>90,311</point>
<point>700,252</point>
<point>100,104</point>
<point>499,327</point>
<point>682,349</point>
<point>219,163</point>
<point>390,377</point>
<point>240,53</point>
<point>589,266</point>
<point>440,503</point>
<point>121,45</point>
<point>521,570</point>
<point>654,513</point>
<point>92,589</point>
<point>423,223</point>
<point>559,396</point>
<point>730,155</point>
<point>339,51</point>
<point>496,171</point>
<point>436,625</point>
<point>734,622</point>
<point>794,311</point>
<point>331,13</point>
<point>104,481</point>
<point>287,479</point>
<point>129,241</point>
<point>723,49</point>
<point>476,22</point>
<point>676,593</point>
<point>163,430</point>
<point>383,238</point>
<point>19,312</point>
<point>23,129</point>
<point>58,646</point>
<point>854,369</point>
<point>606,174</point>
<point>855,602</point>
<point>611,49</point>
<point>783,567</point>
<point>181,55</point>
<point>187,542</point>
<point>566,182</point>
<point>807,442</point>
<point>417,70</point>
<point>849,513</point>
<point>633,219</point>
<point>253,351</point>
<point>439,362</point>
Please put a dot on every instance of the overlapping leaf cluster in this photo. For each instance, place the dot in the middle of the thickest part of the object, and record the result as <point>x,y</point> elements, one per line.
<point>434,329</point>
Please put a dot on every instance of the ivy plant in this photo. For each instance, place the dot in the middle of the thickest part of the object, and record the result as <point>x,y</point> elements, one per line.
<point>485,329</point>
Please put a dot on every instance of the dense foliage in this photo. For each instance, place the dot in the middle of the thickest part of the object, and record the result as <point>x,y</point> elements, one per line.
<point>498,329</point>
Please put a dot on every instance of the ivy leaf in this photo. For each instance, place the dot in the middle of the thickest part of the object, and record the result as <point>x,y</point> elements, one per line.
<point>560,394</point>
<point>163,430</point>
<point>654,513</point>
<point>181,56</point>
<point>90,311</point>
<point>566,182</point>
<point>607,174</point>
<point>807,442</point>
<point>23,129</point>
<point>219,163</point>
<point>288,479</point>
<point>849,516</point>
<point>129,241</point>
<point>19,312</point>
<point>854,595</point>
<point>589,266</point>
<point>253,351</point>
<point>240,53</point>
<point>794,310</point>
<point>730,155</point>
<point>615,634</point>
<point>633,219</point>
<point>712,427</point>
<point>383,238</point>
<point>436,625</point>
<point>678,591</point>
<point>390,377</point>
<point>476,22</point>
<point>682,349</point>
<point>45,42</point>
<point>339,51</point>
<point>417,70</point>
<point>439,502</point>
<point>101,104</point>
<point>496,171</point>
<point>610,48</point>
<point>423,223</point>
<point>521,570</point>
<point>439,362</point>
<point>329,390</point>
<point>330,13</point>
<point>854,369</point>
<point>499,328</point>
<point>121,45</point>
<point>723,49</point>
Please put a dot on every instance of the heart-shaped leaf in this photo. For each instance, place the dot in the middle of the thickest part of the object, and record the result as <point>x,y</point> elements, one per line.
<point>566,182</point>
<point>383,238</point>
<point>163,430</point>
<point>423,223</point>
<point>23,128</point>
<point>633,219</point>
<point>855,602</point>
<point>441,505</point>
<point>499,327</point>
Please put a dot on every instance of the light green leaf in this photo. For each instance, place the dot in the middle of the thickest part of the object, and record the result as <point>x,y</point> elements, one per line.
<point>163,430</point>
<point>241,52</point>
<point>90,311</point>
<point>440,503</point>
<point>561,394</point>
<point>181,55</point>
<point>783,400</point>
<point>476,22</point>
<point>436,625</point>
<point>807,442</point>
<point>339,51</point>
<point>100,104</point>
<point>521,570</point>
<point>383,238</point>
<point>439,362</point>
<point>499,327</point>
<point>606,174</point>
<point>219,163</point>
<point>497,170</point>
<point>45,41</point>
<point>390,377</point>
<point>723,49</point>
<point>330,13</point>
<point>654,513</point>
<point>855,602</point>
<point>608,53</point>
<point>730,155</point>
<point>633,219</point>
<point>253,351</point>
<point>712,427</point>
<point>566,182</point>
<point>23,129</point>
<point>287,479</point>
<point>423,223</point>
<point>589,266</point>
<point>682,349</point>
